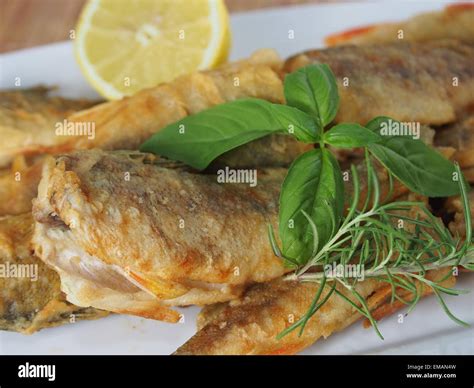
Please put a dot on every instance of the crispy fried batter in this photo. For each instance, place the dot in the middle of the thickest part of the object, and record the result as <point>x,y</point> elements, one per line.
<point>25,110</point>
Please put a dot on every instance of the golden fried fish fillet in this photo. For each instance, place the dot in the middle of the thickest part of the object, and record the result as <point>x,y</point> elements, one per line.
<point>251,324</point>
<point>429,83</point>
<point>128,234</point>
<point>33,302</point>
<point>454,22</point>
<point>28,118</point>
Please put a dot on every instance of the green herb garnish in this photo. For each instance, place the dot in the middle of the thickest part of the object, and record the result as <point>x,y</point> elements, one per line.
<point>371,238</point>
<point>312,229</point>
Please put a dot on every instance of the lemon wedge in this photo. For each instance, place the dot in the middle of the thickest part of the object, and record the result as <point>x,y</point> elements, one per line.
<point>124,46</point>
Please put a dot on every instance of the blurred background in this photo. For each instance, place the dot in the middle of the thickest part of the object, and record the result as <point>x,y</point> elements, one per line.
<point>28,23</point>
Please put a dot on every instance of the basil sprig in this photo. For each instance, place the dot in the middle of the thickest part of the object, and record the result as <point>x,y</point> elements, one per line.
<point>313,186</point>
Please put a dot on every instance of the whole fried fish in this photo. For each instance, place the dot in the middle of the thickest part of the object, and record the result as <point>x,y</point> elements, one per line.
<point>126,123</point>
<point>250,325</point>
<point>454,22</point>
<point>131,234</point>
<point>429,83</point>
<point>33,302</point>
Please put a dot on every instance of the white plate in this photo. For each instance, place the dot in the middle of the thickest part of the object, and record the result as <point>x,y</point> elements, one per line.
<point>425,331</point>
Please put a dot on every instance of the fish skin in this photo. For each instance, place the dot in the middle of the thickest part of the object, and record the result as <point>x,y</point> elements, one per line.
<point>130,231</point>
<point>27,119</point>
<point>28,306</point>
<point>454,22</point>
<point>250,325</point>
<point>409,82</point>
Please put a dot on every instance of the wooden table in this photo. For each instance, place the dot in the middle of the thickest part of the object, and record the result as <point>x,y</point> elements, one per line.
<point>28,23</point>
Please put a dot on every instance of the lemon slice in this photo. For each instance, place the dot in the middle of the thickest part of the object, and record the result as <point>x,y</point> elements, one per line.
<point>123,46</point>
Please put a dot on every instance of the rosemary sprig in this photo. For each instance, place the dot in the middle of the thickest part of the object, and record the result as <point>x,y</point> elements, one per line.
<point>401,257</point>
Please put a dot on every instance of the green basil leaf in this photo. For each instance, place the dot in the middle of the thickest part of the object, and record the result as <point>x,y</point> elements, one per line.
<point>350,135</point>
<point>313,185</point>
<point>297,123</point>
<point>375,125</point>
<point>421,168</point>
<point>313,89</point>
<point>200,138</point>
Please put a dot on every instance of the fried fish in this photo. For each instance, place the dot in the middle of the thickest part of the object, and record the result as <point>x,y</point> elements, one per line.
<point>256,77</point>
<point>126,123</point>
<point>30,294</point>
<point>454,22</point>
<point>250,325</point>
<point>28,118</point>
<point>129,233</point>
<point>429,83</point>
